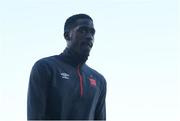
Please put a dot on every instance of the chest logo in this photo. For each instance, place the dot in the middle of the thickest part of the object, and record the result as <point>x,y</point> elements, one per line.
<point>64,75</point>
<point>92,81</point>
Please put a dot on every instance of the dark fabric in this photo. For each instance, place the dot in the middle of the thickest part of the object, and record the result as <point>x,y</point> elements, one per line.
<point>70,57</point>
<point>56,91</point>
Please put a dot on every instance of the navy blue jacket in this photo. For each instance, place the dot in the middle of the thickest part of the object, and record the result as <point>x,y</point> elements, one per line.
<point>63,88</point>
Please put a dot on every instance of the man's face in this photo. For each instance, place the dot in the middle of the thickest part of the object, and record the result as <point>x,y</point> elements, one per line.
<point>82,37</point>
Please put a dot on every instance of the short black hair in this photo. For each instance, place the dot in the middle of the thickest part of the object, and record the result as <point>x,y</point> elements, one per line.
<point>70,22</point>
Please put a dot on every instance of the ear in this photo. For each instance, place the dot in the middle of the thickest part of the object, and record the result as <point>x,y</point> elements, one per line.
<point>66,36</point>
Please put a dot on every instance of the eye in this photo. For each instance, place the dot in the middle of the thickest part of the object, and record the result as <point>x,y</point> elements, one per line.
<point>92,31</point>
<point>82,30</point>
<point>85,30</point>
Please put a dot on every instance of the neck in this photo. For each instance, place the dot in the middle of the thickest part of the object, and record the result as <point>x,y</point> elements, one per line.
<point>71,57</point>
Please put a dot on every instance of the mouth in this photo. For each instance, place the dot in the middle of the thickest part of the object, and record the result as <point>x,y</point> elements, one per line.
<point>89,44</point>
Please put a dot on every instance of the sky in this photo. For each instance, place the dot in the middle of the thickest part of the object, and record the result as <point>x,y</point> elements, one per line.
<point>136,48</point>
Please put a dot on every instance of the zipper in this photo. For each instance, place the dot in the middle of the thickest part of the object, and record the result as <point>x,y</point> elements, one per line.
<point>81,80</point>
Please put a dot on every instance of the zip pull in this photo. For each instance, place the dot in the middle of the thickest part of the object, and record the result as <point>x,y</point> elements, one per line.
<point>81,80</point>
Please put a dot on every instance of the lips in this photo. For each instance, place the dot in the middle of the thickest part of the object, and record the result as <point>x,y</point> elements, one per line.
<point>89,44</point>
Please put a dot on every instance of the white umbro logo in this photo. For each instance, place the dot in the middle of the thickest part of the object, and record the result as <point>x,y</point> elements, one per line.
<point>65,75</point>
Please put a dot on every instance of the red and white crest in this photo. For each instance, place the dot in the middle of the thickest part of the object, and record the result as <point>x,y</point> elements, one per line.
<point>92,82</point>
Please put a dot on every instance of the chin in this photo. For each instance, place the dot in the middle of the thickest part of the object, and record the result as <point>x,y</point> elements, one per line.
<point>85,51</point>
<point>85,54</point>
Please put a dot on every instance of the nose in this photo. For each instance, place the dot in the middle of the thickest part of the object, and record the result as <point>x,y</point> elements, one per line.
<point>89,37</point>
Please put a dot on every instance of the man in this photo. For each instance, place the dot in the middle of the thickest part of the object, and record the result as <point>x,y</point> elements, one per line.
<point>63,87</point>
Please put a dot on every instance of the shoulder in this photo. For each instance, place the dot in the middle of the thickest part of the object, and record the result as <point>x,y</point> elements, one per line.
<point>45,63</point>
<point>46,60</point>
<point>42,71</point>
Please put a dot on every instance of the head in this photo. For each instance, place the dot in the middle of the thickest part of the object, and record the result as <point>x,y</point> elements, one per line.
<point>79,33</point>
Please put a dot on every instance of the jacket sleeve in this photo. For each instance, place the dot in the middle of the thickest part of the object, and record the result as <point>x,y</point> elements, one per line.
<point>37,91</point>
<point>100,113</point>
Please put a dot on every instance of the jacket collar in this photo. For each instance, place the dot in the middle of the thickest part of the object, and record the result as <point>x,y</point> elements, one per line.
<point>70,57</point>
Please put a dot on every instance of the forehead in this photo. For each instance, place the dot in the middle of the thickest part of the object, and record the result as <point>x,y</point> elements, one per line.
<point>84,22</point>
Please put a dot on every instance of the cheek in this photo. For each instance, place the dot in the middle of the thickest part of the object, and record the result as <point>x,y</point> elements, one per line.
<point>75,42</point>
<point>77,39</point>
